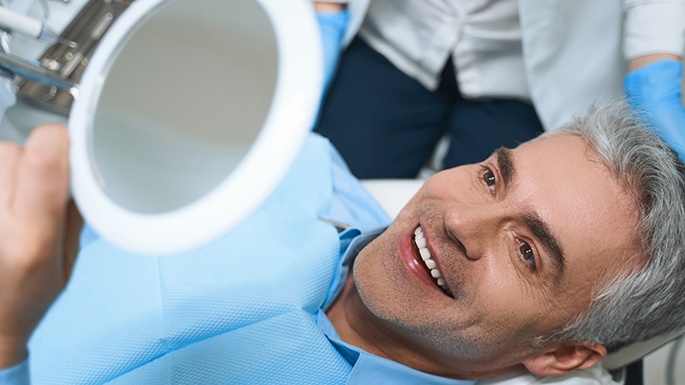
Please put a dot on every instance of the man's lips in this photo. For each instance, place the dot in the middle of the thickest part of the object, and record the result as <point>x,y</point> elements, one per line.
<point>430,263</point>
<point>418,259</point>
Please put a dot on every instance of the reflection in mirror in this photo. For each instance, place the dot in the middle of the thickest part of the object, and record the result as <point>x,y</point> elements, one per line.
<point>182,103</point>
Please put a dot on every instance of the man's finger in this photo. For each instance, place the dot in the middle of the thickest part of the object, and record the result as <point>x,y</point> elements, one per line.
<point>43,178</point>
<point>9,153</point>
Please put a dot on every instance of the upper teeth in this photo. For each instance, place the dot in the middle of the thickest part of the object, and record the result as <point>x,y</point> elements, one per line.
<point>426,256</point>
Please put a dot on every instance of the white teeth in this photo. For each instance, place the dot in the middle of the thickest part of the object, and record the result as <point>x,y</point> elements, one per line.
<point>430,263</point>
<point>420,241</point>
<point>425,254</point>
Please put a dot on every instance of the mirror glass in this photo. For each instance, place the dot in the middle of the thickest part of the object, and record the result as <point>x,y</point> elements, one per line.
<point>182,102</point>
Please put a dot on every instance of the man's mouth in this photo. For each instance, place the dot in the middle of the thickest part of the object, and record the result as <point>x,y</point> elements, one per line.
<point>429,263</point>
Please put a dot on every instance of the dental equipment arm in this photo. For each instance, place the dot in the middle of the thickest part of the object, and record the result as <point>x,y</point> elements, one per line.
<point>654,88</point>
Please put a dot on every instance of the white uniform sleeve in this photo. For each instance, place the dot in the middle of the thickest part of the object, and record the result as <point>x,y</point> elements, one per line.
<point>357,9</point>
<point>653,26</point>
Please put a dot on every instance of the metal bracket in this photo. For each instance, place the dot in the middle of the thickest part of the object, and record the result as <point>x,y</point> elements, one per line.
<point>86,30</point>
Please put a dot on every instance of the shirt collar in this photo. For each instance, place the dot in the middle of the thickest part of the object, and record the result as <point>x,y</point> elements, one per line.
<point>352,241</point>
<point>372,369</point>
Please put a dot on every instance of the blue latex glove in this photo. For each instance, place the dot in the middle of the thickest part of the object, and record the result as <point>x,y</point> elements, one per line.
<point>332,26</point>
<point>655,89</point>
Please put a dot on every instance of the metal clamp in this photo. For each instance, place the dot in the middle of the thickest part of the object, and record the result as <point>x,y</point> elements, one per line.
<point>67,62</point>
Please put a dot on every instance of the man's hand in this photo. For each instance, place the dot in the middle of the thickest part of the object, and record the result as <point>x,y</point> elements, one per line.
<point>34,189</point>
<point>654,87</point>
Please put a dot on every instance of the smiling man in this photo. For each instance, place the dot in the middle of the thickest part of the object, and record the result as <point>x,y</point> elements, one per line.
<point>544,257</point>
<point>487,257</point>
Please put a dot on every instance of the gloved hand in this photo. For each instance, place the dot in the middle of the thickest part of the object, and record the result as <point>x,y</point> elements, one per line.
<point>332,26</point>
<point>655,89</point>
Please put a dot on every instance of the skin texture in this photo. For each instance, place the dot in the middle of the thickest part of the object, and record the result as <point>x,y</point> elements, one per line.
<point>649,59</point>
<point>476,229</point>
<point>322,6</point>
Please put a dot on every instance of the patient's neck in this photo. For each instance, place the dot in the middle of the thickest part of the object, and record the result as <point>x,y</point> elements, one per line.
<point>358,326</point>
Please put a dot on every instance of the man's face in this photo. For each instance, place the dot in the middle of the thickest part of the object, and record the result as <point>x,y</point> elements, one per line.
<point>517,244</point>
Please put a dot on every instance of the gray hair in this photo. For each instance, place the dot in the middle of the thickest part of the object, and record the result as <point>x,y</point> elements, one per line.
<point>650,300</point>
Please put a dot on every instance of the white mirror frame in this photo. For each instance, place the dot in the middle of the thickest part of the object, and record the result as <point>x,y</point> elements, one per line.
<point>290,118</point>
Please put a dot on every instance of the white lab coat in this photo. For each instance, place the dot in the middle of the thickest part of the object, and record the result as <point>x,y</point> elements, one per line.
<point>574,51</point>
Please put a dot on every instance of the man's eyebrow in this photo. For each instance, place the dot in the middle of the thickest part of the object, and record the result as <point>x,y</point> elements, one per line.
<point>507,169</point>
<point>548,240</point>
<point>505,163</point>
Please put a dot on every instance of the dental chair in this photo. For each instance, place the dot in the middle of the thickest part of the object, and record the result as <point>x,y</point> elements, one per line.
<point>623,367</point>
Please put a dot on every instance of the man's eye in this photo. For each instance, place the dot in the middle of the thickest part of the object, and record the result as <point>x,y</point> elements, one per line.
<point>527,254</point>
<point>489,178</point>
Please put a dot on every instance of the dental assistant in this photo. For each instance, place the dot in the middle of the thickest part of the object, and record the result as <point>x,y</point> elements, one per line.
<point>484,71</point>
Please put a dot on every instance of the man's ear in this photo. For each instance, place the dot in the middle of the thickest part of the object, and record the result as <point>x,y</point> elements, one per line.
<point>565,358</point>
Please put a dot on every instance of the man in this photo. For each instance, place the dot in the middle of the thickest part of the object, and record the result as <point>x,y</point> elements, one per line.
<point>544,257</point>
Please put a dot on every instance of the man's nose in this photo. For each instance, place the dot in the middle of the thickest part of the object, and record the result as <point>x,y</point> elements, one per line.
<point>474,226</point>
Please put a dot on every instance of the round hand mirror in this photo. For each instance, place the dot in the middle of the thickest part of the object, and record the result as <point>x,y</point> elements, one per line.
<point>189,115</point>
